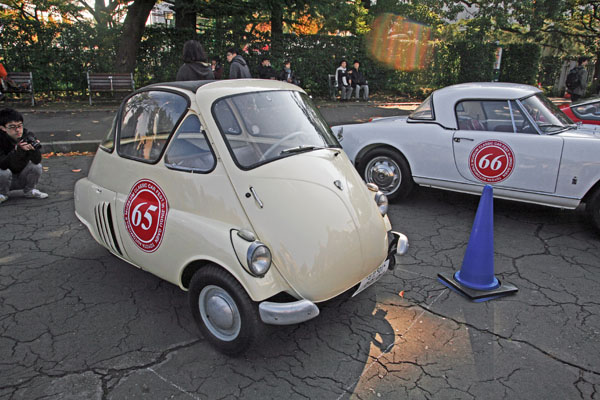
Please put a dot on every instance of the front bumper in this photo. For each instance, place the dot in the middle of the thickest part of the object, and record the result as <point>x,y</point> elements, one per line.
<point>302,310</point>
<point>398,245</point>
<point>287,313</point>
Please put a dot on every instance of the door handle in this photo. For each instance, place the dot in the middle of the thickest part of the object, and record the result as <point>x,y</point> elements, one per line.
<point>457,139</point>
<point>260,203</point>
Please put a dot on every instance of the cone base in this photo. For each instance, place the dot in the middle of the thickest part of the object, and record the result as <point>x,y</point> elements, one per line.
<point>477,295</point>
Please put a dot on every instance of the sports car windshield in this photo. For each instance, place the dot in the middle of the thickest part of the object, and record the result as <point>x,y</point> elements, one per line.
<point>548,117</point>
<point>262,126</point>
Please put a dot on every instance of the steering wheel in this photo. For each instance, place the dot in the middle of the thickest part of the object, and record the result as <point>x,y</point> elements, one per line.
<point>278,143</point>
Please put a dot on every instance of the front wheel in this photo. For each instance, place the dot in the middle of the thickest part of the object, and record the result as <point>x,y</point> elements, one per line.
<point>223,311</point>
<point>389,171</point>
<point>592,209</point>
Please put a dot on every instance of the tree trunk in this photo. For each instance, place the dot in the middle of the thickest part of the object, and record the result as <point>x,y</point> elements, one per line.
<point>133,28</point>
<point>276,30</point>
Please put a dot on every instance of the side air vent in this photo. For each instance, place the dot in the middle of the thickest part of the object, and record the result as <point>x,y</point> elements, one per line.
<point>106,230</point>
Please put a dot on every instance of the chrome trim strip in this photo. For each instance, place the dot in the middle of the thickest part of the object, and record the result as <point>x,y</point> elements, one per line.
<point>287,313</point>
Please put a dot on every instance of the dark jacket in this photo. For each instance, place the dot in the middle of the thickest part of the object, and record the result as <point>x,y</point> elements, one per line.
<point>16,159</point>
<point>356,77</point>
<point>285,74</point>
<point>195,71</point>
<point>341,77</point>
<point>239,68</point>
<point>218,71</point>
<point>583,75</point>
<point>266,72</point>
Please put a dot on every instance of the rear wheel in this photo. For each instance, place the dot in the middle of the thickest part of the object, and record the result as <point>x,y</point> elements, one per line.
<point>223,311</point>
<point>389,170</point>
<point>592,209</point>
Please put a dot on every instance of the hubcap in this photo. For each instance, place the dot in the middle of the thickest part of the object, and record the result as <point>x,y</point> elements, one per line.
<point>385,173</point>
<point>219,312</point>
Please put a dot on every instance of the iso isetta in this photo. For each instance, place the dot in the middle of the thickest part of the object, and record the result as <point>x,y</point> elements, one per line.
<point>238,192</point>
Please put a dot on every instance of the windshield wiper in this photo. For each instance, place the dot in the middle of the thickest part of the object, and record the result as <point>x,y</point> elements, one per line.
<point>300,149</point>
<point>562,127</point>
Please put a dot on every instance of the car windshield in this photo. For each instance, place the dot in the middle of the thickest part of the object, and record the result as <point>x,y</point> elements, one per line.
<point>263,126</point>
<point>548,117</point>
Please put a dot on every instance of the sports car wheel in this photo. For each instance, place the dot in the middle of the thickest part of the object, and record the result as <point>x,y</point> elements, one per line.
<point>389,171</point>
<point>592,208</point>
<point>223,311</point>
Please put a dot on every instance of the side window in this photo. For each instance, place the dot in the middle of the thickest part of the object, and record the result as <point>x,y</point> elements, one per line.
<point>498,116</point>
<point>147,121</point>
<point>189,150</point>
<point>522,124</point>
<point>471,116</point>
<point>108,143</point>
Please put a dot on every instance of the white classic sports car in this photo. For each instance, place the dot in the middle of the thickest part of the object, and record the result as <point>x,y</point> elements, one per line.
<point>465,136</point>
<point>237,192</point>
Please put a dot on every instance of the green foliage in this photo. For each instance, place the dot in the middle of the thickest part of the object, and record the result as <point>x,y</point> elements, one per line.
<point>475,60</point>
<point>520,63</point>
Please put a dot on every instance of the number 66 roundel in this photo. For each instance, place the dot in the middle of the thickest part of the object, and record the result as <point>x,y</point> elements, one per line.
<point>492,161</point>
<point>145,214</point>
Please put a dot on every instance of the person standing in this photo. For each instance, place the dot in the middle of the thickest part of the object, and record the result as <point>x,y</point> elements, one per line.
<point>266,71</point>
<point>578,88</point>
<point>217,68</point>
<point>358,81</point>
<point>20,157</point>
<point>195,66</point>
<point>238,68</point>
<point>342,81</point>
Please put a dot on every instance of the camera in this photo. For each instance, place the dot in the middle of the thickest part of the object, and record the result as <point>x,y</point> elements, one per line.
<point>36,145</point>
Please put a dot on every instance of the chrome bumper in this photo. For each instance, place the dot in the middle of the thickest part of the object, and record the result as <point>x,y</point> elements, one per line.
<point>398,245</point>
<point>287,313</point>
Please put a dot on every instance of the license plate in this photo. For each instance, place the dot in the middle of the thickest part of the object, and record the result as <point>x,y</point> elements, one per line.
<point>373,277</point>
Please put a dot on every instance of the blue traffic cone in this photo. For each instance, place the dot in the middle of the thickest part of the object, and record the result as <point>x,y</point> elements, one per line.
<point>476,278</point>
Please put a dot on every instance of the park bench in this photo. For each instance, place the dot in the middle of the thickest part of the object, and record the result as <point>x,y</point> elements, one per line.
<point>19,82</point>
<point>109,82</point>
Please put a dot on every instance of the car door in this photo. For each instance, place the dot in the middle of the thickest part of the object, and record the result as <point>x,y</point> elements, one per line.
<point>497,144</point>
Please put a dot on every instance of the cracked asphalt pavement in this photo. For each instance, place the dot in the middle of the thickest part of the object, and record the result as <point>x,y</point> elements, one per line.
<point>78,323</point>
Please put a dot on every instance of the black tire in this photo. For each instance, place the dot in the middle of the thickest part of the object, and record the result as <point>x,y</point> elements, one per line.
<point>389,170</point>
<point>592,209</point>
<point>212,291</point>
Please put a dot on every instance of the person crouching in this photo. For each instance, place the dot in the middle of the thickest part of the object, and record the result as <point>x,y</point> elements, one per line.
<point>20,157</point>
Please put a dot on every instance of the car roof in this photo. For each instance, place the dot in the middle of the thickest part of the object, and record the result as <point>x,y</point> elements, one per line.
<point>208,91</point>
<point>192,86</point>
<point>445,99</point>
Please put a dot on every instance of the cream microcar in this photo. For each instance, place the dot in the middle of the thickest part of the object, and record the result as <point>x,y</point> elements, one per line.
<point>238,192</point>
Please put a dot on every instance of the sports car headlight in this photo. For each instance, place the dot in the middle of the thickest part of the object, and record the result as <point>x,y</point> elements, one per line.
<point>382,202</point>
<point>259,258</point>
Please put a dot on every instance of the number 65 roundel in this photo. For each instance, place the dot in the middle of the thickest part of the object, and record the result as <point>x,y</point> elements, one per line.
<point>145,214</point>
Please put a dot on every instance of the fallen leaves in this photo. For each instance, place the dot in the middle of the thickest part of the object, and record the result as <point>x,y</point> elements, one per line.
<point>76,170</point>
<point>401,294</point>
<point>68,154</point>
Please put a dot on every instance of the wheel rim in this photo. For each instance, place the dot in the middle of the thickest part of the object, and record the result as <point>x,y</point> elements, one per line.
<point>385,173</point>
<point>219,313</point>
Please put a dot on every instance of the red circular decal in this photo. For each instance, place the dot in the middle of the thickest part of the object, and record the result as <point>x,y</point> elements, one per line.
<point>145,214</point>
<point>492,161</point>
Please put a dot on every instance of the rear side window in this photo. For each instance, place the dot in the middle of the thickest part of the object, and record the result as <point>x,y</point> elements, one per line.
<point>147,121</point>
<point>189,150</point>
<point>424,111</point>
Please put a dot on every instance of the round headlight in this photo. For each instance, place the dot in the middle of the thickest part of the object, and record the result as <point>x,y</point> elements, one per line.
<point>382,202</point>
<point>259,258</point>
